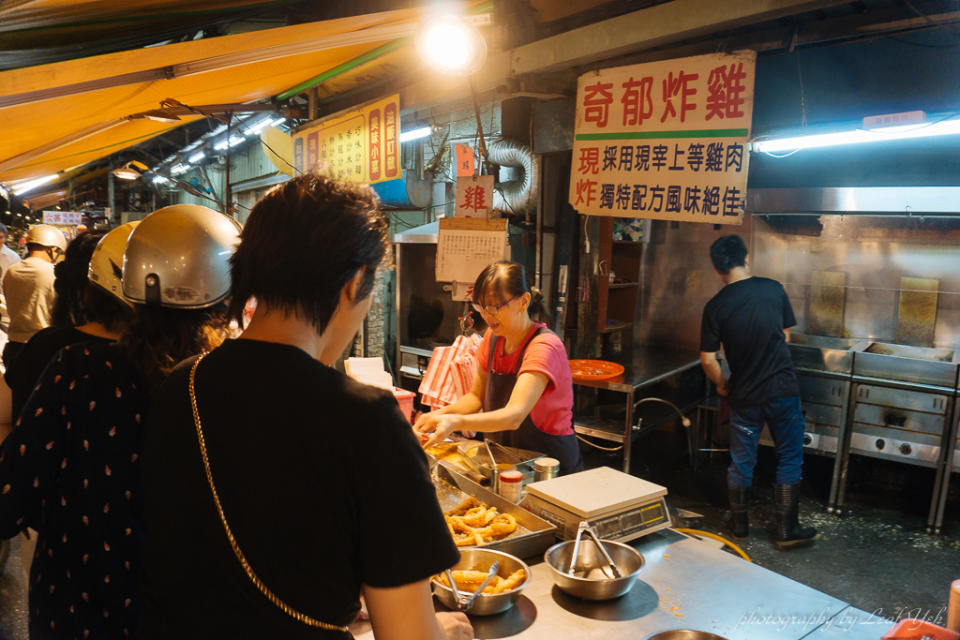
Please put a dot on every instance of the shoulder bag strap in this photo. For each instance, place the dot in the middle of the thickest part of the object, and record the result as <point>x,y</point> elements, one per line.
<point>270,595</point>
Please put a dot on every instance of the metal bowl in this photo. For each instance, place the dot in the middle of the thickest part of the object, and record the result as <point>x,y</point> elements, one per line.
<point>478,559</point>
<point>685,634</point>
<point>590,581</point>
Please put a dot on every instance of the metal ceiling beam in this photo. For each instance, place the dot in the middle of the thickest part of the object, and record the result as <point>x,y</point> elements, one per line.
<point>652,27</point>
<point>655,26</point>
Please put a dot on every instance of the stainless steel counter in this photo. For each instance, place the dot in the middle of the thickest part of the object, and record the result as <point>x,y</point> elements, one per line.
<point>685,584</point>
<point>645,366</point>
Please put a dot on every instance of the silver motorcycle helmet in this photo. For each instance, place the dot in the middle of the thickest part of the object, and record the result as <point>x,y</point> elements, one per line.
<point>47,235</point>
<point>106,263</point>
<point>179,257</point>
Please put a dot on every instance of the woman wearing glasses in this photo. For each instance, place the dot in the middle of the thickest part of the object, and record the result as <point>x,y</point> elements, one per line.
<point>522,395</point>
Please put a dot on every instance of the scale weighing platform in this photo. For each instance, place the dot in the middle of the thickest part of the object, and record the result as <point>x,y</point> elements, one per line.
<point>617,505</point>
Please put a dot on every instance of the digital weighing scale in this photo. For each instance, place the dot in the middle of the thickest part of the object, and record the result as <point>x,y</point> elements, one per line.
<point>618,505</point>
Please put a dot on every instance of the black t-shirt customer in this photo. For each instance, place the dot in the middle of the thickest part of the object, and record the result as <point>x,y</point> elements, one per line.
<point>275,489</point>
<point>322,481</point>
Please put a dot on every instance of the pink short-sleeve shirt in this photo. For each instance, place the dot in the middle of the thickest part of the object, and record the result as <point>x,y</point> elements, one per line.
<point>553,412</point>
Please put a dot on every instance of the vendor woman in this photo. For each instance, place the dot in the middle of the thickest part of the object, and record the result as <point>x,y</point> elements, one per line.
<point>523,384</point>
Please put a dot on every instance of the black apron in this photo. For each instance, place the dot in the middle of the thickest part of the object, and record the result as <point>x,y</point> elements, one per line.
<point>566,449</point>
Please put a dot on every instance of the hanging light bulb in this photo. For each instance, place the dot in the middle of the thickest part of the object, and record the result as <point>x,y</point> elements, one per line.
<point>451,44</point>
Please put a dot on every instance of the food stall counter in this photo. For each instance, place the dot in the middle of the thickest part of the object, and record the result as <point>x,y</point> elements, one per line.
<point>685,584</point>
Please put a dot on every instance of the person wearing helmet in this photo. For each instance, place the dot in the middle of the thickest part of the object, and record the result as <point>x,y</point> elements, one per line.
<point>28,288</point>
<point>8,256</point>
<point>70,468</point>
<point>89,306</point>
<point>310,467</point>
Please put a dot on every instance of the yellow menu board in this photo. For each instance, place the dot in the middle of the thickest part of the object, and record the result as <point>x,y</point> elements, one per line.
<point>362,145</point>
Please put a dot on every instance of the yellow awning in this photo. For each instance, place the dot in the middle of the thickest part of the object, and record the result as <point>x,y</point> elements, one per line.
<point>62,115</point>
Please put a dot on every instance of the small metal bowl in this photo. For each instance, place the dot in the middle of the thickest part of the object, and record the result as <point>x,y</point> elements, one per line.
<point>479,559</point>
<point>595,584</point>
<point>685,634</point>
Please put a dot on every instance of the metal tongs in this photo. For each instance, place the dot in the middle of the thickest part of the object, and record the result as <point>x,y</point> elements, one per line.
<point>586,528</point>
<point>465,600</point>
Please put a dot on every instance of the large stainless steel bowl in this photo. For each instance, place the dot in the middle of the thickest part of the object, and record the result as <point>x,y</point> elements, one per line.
<point>589,581</point>
<point>479,559</point>
<point>685,634</point>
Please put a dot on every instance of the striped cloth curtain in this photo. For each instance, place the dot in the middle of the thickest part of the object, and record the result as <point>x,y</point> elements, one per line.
<point>450,372</point>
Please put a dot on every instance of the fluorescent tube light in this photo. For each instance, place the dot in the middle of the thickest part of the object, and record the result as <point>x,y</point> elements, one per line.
<point>234,141</point>
<point>177,169</point>
<point>199,155</point>
<point>857,136</point>
<point>415,134</point>
<point>255,129</point>
<point>30,185</point>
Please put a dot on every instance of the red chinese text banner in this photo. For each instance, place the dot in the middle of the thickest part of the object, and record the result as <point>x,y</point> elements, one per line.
<point>362,145</point>
<point>665,140</point>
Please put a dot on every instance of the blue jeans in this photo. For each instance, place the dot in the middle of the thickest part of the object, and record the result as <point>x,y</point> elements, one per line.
<point>785,419</point>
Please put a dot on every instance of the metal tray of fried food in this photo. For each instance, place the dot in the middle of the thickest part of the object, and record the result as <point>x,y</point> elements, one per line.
<point>533,536</point>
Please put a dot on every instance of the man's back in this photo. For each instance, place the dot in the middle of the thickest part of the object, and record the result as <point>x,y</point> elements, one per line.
<point>28,288</point>
<point>748,318</point>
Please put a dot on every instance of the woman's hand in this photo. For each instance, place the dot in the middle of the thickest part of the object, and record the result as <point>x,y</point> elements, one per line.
<point>433,428</point>
<point>455,625</point>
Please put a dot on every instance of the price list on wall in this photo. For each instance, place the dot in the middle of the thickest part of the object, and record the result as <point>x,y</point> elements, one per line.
<point>362,145</point>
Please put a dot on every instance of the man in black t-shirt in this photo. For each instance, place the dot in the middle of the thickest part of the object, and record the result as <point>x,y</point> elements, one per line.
<point>750,318</point>
<point>276,490</point>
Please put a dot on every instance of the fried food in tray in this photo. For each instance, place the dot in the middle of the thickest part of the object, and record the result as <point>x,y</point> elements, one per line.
<point>445,451</point>
<point>468,581</point>
<point>475,523</point>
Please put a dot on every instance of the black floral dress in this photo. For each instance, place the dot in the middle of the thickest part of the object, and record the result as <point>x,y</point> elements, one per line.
<point>70,470</point>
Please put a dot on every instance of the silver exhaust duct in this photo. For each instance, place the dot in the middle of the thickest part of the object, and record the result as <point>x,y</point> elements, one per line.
<point>515,196</point>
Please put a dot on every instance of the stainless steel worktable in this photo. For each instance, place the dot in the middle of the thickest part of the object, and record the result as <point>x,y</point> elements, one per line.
<point>685,584</point>
<point>646,367</point>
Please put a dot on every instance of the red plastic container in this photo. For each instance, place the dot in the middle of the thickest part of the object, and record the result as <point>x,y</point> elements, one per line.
<point>913,629</point>
<point>405,400</point>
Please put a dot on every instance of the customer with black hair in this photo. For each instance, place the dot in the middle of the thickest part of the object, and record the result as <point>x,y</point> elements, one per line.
<point>89,307</point>
<point>276,489</point>
<point>750,318</point>
<point>71,467</point>
<point>523,383</point>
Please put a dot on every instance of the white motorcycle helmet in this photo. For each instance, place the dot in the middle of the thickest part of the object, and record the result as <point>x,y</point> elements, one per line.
<point>106,263</point>
<point>179,257</point>
<point>47,235</point>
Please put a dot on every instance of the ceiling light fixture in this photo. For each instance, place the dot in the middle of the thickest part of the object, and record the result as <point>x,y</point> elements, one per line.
<point>199,155</point>
<point>415,134</point>
<point>451,44</point>
<point>30,185</point>
<point>130,171</point>
<point>858,136</point>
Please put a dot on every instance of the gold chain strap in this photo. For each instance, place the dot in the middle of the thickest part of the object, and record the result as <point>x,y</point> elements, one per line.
<point>270,595</point>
